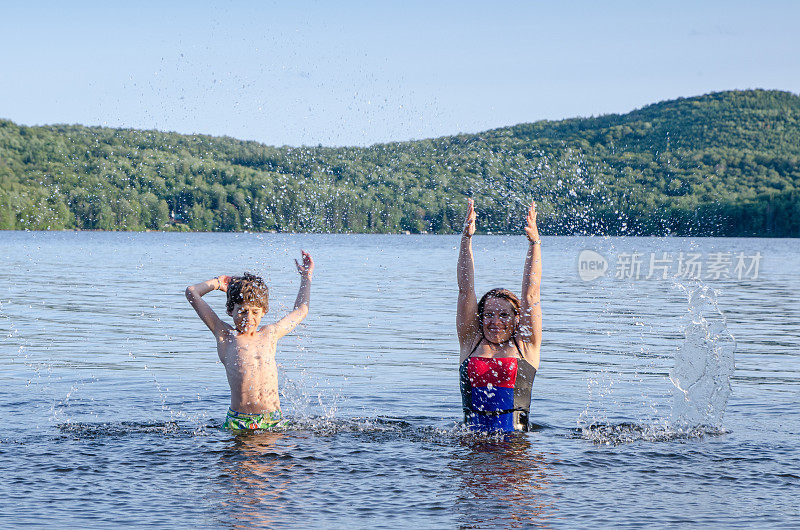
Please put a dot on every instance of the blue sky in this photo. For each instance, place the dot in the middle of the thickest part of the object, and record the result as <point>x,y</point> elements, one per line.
<point>357,73</point>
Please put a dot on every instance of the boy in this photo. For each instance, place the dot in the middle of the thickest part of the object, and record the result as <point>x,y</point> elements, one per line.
<point>247,351</point>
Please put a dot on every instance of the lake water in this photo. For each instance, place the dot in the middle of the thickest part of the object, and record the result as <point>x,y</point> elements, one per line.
<point>112,394</point>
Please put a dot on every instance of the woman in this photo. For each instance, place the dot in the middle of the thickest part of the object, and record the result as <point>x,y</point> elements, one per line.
<point>499,337</point>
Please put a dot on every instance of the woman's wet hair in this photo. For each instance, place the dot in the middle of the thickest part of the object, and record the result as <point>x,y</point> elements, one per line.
<point>505,294</point>
<point>247,289</point>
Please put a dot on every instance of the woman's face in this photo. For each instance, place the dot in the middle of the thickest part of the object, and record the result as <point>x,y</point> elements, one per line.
<point>499,320</point>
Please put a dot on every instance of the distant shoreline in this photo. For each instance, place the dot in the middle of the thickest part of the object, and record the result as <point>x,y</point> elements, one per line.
<point>723,164</point>
<point>6,230</point>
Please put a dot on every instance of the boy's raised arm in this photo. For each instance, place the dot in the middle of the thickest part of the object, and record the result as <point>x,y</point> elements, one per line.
<point>195,293</point>
<point>290,321</point>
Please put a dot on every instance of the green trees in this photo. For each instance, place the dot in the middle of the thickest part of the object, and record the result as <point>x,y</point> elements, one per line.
<point>720,164</point>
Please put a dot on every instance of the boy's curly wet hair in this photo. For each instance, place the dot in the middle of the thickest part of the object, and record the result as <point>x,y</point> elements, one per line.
<point>248,288</point>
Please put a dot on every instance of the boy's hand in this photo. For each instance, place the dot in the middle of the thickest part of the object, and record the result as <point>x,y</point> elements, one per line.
<point>307,267</point>
<point>223,283</point>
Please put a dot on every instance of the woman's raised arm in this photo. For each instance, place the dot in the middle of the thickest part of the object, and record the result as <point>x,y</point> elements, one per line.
<point>467,311</point>
<point>531,318</point>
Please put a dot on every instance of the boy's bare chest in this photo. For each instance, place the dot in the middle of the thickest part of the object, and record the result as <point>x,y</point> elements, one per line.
<point>247,352</point>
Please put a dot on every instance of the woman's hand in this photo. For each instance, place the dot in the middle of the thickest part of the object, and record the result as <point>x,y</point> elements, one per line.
<point>223,283</point>
<point>306,268</point>
<point>469,222</point>
<point>531,230</point>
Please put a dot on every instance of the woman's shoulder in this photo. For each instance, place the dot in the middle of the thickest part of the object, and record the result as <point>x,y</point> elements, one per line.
<point>530,353</point>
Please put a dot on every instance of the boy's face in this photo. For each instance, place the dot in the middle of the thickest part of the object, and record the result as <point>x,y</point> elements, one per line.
<point>247,317</point>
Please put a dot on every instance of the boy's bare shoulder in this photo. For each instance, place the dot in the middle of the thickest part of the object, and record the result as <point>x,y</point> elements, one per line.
<point>268,330</point>
<point>226,331</point>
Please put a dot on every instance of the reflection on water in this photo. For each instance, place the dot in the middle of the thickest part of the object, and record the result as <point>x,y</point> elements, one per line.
<point>256,470</point>
<point>503,482</point>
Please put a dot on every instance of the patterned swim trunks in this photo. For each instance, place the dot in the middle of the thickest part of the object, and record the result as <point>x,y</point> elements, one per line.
<point>239,421</point>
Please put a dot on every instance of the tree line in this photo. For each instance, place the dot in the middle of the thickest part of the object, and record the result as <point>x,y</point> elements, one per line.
<point>726,163</point>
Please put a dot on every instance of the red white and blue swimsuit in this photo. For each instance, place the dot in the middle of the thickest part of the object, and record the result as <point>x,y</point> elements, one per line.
<point>496,392</point>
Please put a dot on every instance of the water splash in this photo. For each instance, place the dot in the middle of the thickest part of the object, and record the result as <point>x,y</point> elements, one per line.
<point>85,430</point>
<point>624,433</point>
<point>700,383</point>
<point>377,429</point>
<point>704,364</point>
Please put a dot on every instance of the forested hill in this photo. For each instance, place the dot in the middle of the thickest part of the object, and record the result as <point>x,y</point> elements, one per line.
<point>726,163</point>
